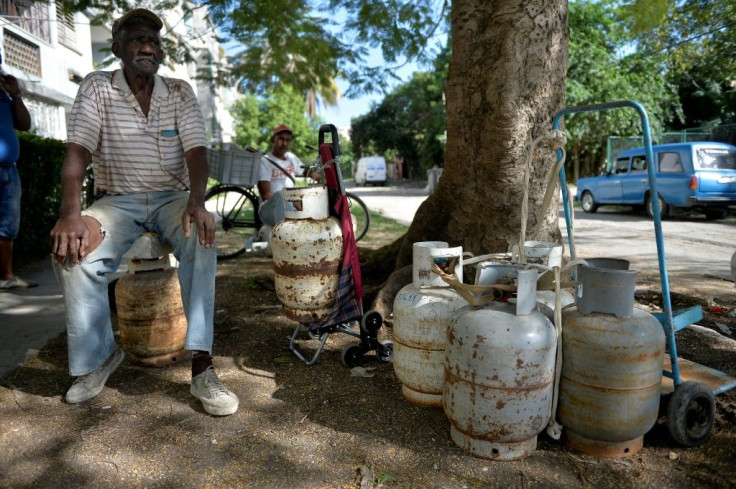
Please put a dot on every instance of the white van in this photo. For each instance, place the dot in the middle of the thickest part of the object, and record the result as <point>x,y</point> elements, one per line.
<point>371,169</point>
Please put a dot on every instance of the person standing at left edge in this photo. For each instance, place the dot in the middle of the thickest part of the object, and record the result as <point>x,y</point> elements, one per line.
<point>13,115</point>
<point>144,135</point>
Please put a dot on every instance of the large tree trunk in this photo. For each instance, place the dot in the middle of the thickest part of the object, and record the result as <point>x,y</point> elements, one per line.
<point>506,81</point>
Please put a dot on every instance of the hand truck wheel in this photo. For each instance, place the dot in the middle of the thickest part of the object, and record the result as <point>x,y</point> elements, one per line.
<point>690,413</point>
<point>371,322</point>
<point>352,356</point>
<point>385,351</point>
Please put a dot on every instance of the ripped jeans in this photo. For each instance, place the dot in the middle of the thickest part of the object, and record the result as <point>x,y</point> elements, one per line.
<point>124,218</point>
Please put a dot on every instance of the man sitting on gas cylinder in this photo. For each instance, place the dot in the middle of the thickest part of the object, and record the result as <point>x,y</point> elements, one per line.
<point>146,138</point>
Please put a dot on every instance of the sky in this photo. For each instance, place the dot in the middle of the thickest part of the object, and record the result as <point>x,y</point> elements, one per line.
<point>348,109</point>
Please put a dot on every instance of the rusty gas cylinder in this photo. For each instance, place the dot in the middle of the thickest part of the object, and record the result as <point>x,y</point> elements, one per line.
<point>423,311</point>
<point>151,320</point>
<point>307,252</point>
<point>612,364</point>
<point>500,372</point>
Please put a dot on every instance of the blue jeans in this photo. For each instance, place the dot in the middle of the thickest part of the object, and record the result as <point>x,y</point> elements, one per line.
<point>272,210</point>
<point>9,201</point>
<point>124,218</point>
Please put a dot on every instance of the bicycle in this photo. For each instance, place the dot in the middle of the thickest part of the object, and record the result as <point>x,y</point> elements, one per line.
<point>235,203</point>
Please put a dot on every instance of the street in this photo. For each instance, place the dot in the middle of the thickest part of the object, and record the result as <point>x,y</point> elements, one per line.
<point>693,245</point>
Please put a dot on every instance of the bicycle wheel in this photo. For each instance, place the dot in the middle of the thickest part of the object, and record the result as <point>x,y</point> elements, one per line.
<point>361,216</point>
<point>236,218</point>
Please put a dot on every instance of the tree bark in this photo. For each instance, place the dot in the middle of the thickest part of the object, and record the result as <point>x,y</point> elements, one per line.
<point>506,82</point>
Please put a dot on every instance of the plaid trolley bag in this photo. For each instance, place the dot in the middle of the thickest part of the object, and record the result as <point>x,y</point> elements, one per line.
<point>348,307</point>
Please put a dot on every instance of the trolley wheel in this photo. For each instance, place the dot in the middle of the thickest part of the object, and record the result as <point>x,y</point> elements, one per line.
<point>385,351</point>
<point>371,322</point>
<point>352,356</point>
<point>690,413</point>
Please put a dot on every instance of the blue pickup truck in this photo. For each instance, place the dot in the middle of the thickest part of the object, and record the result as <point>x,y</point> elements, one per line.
<point>698,175</point>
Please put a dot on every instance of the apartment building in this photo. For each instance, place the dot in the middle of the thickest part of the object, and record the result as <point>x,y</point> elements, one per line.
<point>51,51</point>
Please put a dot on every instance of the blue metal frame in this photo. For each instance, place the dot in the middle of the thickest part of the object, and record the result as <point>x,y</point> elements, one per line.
<point>670,323</point>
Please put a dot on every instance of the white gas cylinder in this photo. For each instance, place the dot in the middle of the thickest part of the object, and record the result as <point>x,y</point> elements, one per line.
<point>422,312</point>
<point>307,252</point>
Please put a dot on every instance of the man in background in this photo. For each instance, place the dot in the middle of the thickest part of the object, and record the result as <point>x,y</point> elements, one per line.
<point>272,179</point>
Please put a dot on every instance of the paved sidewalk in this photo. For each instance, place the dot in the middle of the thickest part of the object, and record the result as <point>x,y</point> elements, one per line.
<point>29,318</point>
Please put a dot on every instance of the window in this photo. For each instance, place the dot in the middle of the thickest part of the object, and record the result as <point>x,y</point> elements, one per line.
<point>670,163</point>
<point>21,54</point>
<point>67,32</point>
<point>621,165</point>
<point>638,164</point>
<point>32,17</point>
<point>716,158</point>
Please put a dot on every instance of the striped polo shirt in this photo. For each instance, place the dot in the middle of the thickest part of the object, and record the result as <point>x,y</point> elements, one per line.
<point>132,152</point>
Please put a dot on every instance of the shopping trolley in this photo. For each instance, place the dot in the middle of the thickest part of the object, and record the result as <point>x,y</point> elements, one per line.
<point>348,308</point>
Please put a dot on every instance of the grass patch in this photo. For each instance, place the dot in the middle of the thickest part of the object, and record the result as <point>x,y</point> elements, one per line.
<point>381,232</point>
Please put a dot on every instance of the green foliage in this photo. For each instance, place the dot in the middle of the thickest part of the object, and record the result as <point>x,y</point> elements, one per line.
<point>39,166</point>
<point>603,68</point>
<point>256,117</point>
<point>642,16</point>
<point>300,42</point>
<point>282,42</point>
<point>176,47</point>
<point>700,40</point>
<point>410,122</point>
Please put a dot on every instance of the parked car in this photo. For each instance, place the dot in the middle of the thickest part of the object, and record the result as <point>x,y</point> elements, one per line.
<point>371,169</point>
<point>698,175</point>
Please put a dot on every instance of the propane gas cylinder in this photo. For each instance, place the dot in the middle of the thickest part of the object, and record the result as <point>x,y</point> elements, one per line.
<point>423,311</point>
<point>548,254</point>
<point>307,251</point>
<point>500,371</point>
<point>612,364</point>
<point>151,320</point>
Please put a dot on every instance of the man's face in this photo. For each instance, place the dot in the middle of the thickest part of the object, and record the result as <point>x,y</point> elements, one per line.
<point>140,49</point>
<point>281,143</point>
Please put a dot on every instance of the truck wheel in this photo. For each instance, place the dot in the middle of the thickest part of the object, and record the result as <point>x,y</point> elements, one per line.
<point>588,203</point>
<point>664,208</point>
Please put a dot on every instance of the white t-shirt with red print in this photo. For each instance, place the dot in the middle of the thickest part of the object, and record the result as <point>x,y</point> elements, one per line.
<point>269,173</point>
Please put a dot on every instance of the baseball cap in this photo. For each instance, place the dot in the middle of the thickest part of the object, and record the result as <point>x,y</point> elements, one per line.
<point>139,12</point>
<point>282,128</point>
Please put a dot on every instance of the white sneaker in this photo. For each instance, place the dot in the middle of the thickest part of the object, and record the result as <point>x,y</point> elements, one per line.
<point>215,397</point>
<point>16,282</point>
<point>264,239</point>
<point>89,385</point>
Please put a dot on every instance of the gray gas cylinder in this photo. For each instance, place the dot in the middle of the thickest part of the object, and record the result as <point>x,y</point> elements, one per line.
<point>500,372</point>
<point>612,364</point>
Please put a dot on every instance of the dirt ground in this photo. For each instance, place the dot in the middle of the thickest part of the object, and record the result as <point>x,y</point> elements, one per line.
<point>315,426</point>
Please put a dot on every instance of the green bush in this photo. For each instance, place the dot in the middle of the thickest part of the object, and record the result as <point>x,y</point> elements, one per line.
<point>39,166</point>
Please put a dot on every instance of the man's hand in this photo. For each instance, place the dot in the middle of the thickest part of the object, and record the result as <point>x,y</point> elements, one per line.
<point>10,83</point>
<point>69,238</point>
<point>205,222</point>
